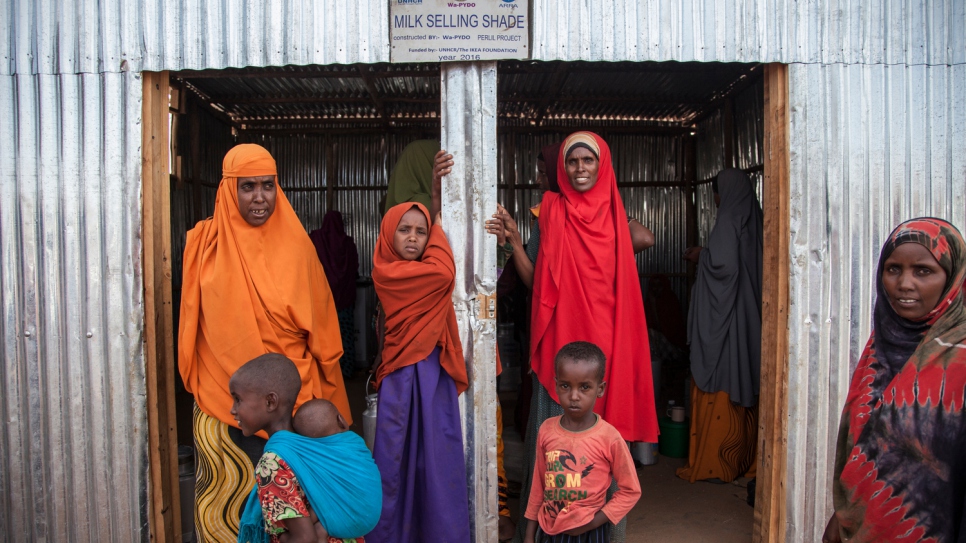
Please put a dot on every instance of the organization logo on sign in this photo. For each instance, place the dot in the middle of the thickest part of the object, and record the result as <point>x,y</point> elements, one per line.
<point>414,1</point>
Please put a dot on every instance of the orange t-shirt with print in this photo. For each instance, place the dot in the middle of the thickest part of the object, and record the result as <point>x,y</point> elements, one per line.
<point>573,472</point>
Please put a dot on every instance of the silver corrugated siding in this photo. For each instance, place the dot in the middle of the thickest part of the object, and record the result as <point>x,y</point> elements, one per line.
<point>871,146</point>
<point>787,31</point>
<point>53,36</point>
<point>72,37</point>
<point>73,452</point>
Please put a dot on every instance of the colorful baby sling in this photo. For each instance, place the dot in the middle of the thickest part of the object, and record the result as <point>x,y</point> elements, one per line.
<point>339,478</point>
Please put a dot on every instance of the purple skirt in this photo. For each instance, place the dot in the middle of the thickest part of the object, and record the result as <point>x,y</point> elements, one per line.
<point>419,451</point>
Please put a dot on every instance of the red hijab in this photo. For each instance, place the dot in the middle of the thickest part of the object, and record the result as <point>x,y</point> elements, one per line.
<point>417,298</point>
<point>586,288</point>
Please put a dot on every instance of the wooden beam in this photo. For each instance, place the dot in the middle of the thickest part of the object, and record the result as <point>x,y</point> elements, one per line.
<point>380,71</point>
<point>600,129</point>
<point>772,422</point>
<point>164,506</point>
<point>322,121</point>
<point>627,99</point>
<point>419,132</point>
<point>545,67</point>
<point>237,100</point>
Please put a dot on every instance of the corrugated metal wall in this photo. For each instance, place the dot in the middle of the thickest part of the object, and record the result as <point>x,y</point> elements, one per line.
<point>787,31</point>
<point>55,36</point>
<point>877,137</point>
<point>871,146</point>
<point>72,467</point>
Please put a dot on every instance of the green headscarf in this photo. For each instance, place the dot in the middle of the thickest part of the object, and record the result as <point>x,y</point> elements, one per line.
<point>412,177</point>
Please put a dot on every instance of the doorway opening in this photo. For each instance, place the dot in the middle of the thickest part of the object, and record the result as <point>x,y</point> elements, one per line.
<point>336,132</point>
<point>671,128</point>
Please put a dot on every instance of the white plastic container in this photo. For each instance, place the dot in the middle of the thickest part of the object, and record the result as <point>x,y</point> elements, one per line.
<point>644,453</point>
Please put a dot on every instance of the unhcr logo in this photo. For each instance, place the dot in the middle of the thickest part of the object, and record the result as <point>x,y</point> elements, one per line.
<point>409,1</point>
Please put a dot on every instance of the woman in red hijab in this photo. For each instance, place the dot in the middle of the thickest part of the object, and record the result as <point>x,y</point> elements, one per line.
<point>586,288</point>
<point>252,285</point>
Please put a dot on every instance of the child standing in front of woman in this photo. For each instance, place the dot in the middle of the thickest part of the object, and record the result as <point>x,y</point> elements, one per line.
<point>419,443</point>
<point>578,453</point>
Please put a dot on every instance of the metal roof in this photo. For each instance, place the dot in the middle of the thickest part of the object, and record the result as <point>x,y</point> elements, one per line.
<point>531,94</point>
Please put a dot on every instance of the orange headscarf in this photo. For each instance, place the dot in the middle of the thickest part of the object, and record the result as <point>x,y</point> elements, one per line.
<point>252,290</point>
<point>417,298</point>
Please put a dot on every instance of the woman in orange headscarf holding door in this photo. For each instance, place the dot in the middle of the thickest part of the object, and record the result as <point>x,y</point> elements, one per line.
<point>252,285</point>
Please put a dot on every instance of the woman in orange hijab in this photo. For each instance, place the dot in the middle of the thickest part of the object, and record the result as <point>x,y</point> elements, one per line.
<point>419,441</point>
<point>252,285</point>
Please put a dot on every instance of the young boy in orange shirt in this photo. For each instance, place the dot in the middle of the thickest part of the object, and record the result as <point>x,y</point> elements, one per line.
<point>577,455</point>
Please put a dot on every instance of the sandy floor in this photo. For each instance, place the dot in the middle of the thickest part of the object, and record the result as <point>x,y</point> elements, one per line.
<point>672,510</point>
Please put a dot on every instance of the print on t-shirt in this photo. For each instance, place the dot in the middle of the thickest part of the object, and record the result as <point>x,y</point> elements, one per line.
<point>563,480</point>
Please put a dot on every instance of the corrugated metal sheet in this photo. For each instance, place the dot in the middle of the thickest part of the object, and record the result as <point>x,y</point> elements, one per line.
<point>871,146</point>
<point>788,31</point>
<point>69,37</point>
<point>55,36</point>
<point>72,464</point>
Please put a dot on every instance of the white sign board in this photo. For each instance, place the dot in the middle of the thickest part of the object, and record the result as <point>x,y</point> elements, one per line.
<point>450,31</point>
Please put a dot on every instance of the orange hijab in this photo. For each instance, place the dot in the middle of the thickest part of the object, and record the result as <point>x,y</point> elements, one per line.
<point>417,298</point>
<point>252,290</point>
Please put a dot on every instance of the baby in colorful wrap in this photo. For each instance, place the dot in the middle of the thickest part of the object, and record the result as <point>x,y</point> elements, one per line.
<point>325,488</point>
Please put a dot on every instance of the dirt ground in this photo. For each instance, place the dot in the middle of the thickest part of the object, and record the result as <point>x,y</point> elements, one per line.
<point>672,510</point>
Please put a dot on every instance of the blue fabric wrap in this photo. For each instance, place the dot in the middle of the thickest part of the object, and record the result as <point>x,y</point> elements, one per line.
<point>337,475</point>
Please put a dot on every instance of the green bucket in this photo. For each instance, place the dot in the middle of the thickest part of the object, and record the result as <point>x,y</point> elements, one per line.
<point>674,437</point>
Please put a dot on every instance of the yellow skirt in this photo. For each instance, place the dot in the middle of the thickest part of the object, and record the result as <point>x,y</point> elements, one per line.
<point>724,438</point>
<point>224,477</point>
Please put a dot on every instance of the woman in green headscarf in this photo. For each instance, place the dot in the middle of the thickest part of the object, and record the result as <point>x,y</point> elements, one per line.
<point>412,177</point>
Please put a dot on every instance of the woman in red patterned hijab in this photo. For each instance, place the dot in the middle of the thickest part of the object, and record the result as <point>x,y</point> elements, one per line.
<point>900,463</point>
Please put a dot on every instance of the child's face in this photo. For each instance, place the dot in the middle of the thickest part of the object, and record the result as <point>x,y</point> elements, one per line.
<point>249,408</point>
<point>411,235</point>
<point>578,389</point>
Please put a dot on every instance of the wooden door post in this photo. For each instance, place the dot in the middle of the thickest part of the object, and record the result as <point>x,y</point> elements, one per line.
<point>164,499</point>
<point>770,507</point>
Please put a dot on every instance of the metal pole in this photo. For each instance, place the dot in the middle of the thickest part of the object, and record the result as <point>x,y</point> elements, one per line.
<point>468,198</point>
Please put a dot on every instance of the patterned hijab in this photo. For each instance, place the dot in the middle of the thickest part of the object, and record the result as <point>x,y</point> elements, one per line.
<point>897,338</point>
<point>899,460</point>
